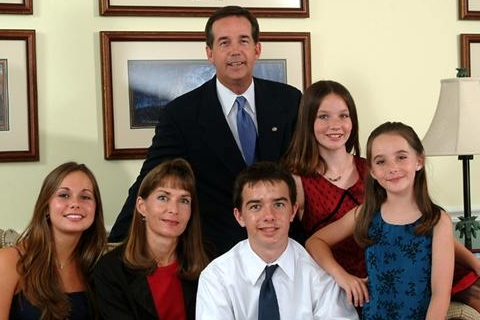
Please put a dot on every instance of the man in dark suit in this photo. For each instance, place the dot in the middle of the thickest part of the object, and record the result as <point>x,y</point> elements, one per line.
<point>201,126</point>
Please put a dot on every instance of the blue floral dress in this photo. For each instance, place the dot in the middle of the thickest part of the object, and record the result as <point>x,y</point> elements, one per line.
<point>399,269</point>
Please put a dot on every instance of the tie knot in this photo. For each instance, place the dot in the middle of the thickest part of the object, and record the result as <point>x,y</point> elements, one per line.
<point>241,101</point>
<point>269,270</point>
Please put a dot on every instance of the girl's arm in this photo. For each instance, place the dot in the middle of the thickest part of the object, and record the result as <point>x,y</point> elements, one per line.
<point>318,245</point>
<point>8,278</point>
<point>442,268</point>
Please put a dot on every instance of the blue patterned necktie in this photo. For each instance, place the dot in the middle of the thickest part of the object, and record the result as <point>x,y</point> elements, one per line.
<point>267,303</point>
<point>246,131</point>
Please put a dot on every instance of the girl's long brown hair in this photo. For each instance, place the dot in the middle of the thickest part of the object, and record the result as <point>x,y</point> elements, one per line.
<point>39,278</point>
<point>376,195</point>
<point>191,255</point>
<point>303,155</point>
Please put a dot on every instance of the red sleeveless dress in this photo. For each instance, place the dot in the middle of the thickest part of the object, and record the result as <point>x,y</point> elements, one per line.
<point>325,203</point>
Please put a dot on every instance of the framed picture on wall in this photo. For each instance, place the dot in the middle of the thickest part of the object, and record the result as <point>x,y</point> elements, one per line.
<point>4,105</point>
<point>18,96</point>
<point>470,53</point>
<point>469,9</point>
<point>143,71</point>
<point>271,8</point>
<point>16,6</point>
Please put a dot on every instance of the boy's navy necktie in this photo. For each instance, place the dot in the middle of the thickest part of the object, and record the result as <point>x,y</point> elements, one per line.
<point>267,303</point>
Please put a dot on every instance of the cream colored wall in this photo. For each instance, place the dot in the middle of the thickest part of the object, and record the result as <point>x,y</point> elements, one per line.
<point>391,55</point>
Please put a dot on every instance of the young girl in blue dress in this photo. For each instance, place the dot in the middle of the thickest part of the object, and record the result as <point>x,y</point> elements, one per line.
<point>408,239</point>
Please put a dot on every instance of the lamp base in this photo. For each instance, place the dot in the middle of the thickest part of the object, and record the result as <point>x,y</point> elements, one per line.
<point>467,225</point>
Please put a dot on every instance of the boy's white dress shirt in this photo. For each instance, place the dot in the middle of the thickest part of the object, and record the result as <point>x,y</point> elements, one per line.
<point>229,287</point>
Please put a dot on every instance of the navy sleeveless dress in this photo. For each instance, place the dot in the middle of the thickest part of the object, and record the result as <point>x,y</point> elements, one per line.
<point>22,309</point>
<point>399,269</point>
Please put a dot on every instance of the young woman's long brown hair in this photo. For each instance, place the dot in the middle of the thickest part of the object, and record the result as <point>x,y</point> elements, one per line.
<point>376,195</point>
<point>191,255</point>
<point>39,278</point>
<point>303,154</point>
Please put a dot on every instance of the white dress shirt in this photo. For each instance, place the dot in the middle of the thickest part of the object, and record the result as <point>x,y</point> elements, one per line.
<point>227,100</point>
<point>229,287</point>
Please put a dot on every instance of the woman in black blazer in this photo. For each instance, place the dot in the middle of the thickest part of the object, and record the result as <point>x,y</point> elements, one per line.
<point>153,275</point>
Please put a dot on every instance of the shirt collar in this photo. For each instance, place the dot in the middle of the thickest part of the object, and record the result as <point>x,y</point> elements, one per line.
<point>227,97</point>
<point>255,265</point>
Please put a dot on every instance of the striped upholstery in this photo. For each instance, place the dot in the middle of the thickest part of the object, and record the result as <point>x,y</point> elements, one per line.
<point>8,237</point>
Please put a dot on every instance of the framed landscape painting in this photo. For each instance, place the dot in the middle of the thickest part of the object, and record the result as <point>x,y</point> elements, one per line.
<point>143,71</point>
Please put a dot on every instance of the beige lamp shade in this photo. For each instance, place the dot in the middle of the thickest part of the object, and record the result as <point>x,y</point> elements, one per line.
<point>455,128</point>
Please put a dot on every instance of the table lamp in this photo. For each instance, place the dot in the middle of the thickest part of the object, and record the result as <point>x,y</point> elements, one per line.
<point>455,130</point>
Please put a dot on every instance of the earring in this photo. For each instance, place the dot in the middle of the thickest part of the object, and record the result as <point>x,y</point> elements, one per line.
<point>144,218</point>
<point>47,216</point>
